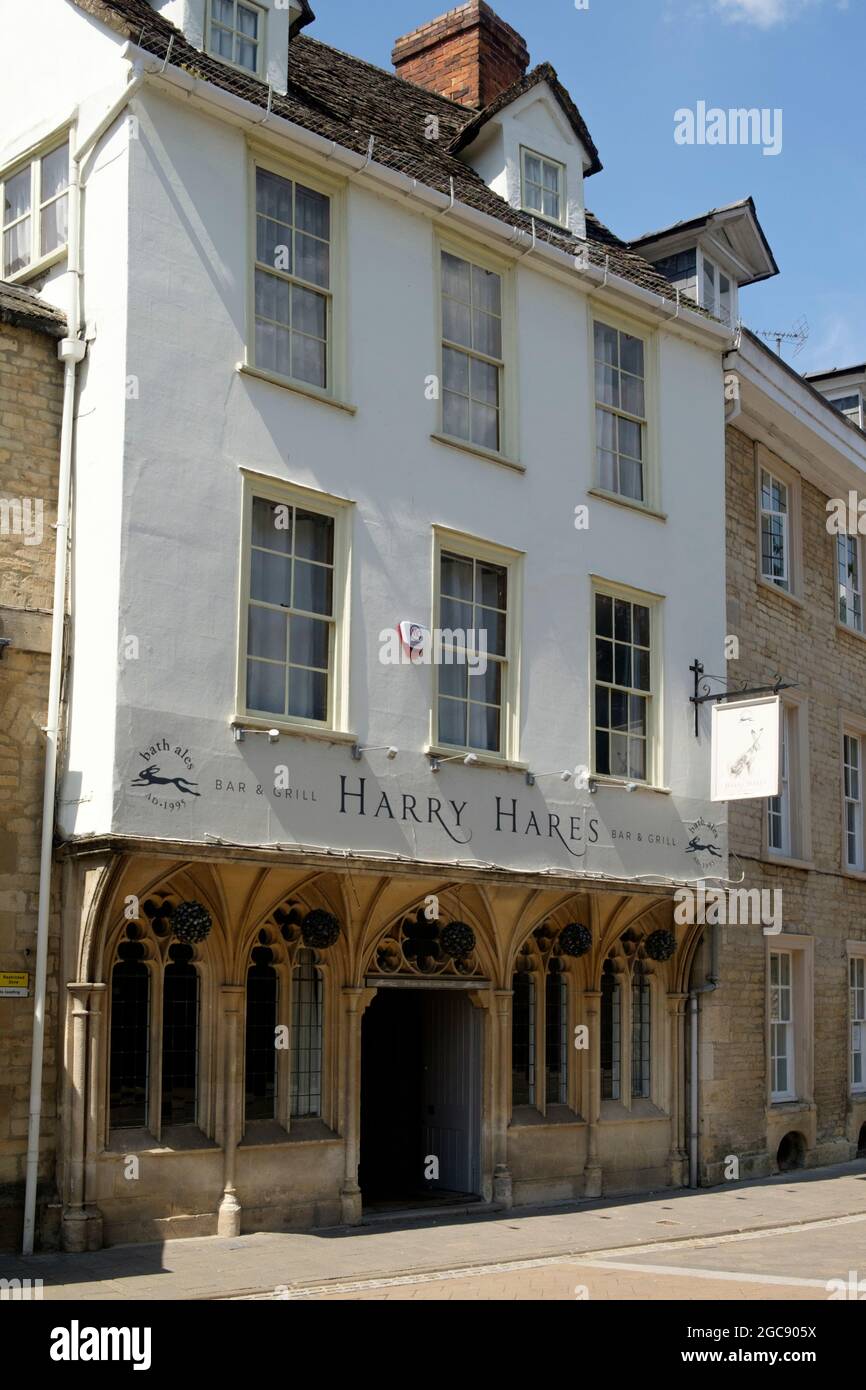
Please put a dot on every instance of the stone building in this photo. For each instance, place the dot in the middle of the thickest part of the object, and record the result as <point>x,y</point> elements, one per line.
<point>783,1068</point>
<point>31,389</point>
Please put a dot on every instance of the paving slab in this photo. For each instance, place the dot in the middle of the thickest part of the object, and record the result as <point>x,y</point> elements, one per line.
<point>215,1267</point>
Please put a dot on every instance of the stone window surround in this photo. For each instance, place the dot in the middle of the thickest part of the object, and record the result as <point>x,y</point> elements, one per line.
<point>802,950</point>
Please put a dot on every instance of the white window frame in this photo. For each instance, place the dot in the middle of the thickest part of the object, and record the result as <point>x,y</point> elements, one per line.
<point>655,696</point>
<point>856,961</point>
<point>707,261</point>
<point>472,548</point>
<point>650,440</point>
<point>261,39</point>
<point>340,510</point>
<point>799,1034</point>
<point>849,591</point>
<point>769,463</point>
<point>794,784</point>
<point>782,1025</point>
<point>843,395</point>
<point>33,158</point>
<point>560,168</point>
<point>335,294</point>
<point>782,581</point>
<point>852,794</point>
<point>508,398</point>
<point>852,726</point>
<point>779,807</point>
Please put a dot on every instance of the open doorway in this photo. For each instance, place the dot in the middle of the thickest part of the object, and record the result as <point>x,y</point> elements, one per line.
<point>420,1098</point>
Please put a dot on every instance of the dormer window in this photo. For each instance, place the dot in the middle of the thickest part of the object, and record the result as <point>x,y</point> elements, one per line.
<point>716,293</point>
<point>849,406</point>
<point>543,186</point>
<point>236,32</point>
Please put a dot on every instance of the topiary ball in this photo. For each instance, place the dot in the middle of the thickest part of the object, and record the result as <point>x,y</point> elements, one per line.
<point>320,929</point>
<point>457,939</point>
<point>191,922</point>
<point>660,945</point>
<point>575,939</point>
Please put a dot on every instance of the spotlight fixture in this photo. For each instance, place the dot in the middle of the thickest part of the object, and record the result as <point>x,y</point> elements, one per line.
<point>564,776</point>
<point>239,733</point>
<point>358,751</point>
<point>467,759</point>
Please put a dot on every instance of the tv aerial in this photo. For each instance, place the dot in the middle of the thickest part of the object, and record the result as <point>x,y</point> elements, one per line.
<point>798,334</point>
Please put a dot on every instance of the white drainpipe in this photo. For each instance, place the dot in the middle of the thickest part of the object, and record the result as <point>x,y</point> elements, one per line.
<point>71,351</point>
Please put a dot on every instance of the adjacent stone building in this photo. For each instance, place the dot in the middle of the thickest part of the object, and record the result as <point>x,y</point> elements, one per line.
<point>31,389</point>
<point>783,1055</point>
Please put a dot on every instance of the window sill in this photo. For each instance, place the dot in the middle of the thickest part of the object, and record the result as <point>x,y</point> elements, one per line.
<point>624,782</point>
<point>265,1134</point>
<point>859,875</point>
<point>780,593</point>
<point>786,862</point>
<point>37,268</point>
<point>311,392</point>
<point>528,1117</point>
<point>252,722</point>
<point>616,1112</point>
<point>457,755</point>
<point>176,1139</point>
<point>629,502</point>
<point>489,454</point>
<point>851,631</point>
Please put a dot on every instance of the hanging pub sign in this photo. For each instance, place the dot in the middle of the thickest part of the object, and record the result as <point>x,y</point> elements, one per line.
<point>746,743</point>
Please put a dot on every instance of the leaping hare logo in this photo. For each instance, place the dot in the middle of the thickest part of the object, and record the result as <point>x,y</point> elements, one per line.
<point>149,777</point>
<point>744,762</point>
<point>703,843</point>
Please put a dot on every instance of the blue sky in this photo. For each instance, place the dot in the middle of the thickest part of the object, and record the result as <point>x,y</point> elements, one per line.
<point>630,64</point>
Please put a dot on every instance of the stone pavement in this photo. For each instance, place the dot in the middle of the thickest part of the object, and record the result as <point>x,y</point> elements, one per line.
<point>213,1267</point>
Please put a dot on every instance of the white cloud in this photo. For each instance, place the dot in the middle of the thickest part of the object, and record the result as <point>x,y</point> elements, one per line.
<point>763,14</point>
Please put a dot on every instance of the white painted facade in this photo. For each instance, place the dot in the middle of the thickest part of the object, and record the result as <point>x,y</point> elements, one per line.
<point>167,422</point>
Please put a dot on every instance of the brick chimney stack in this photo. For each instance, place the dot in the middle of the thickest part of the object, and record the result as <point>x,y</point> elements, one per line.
<point>468,54</point>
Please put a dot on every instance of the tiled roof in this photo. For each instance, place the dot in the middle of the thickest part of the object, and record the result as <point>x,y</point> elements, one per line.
<point>543,73</point>
<point>24,309</point>
<point>345,99</point>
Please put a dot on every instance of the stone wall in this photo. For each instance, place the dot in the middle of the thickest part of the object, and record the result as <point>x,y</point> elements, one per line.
<point>31,385</point>
<point>802,642</point>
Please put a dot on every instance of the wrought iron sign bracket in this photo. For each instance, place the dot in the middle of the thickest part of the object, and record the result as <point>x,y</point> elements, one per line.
<point>703,695</point>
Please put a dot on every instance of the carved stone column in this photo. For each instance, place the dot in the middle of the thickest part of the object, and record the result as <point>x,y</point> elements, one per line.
<point>80,1230</point>
<point>502,1184</point>
<point>678,1159</point>
<point>355,1002</point>
<point>593,1175</point>
<point>229,1215</point>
